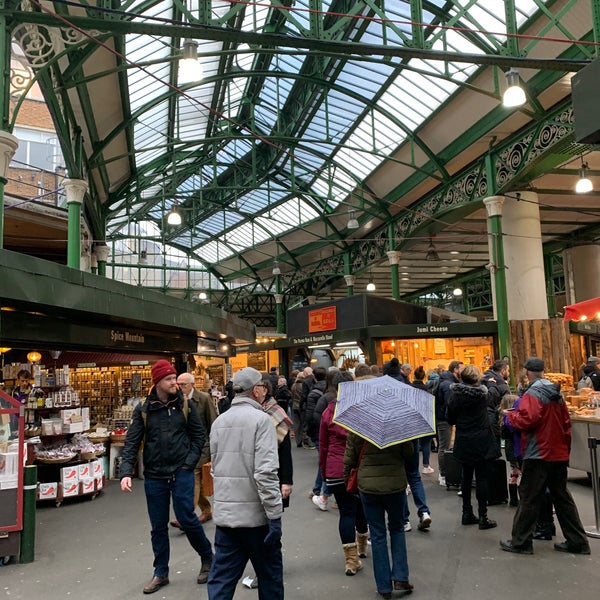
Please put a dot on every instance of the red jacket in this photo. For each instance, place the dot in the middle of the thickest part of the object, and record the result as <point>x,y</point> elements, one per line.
<point>544,422</point>
<point>332,445</point>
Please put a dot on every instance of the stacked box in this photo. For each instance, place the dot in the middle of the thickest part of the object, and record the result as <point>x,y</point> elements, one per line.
<point>97,468</point>
<point>69,475</point>
<point>47,491</point>
<point>99,483</point>
<point>84,471</point>
<point>70,489</point>
<point>87,485</point>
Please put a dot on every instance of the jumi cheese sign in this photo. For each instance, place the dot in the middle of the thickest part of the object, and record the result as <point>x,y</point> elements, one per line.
<point>321,319</point>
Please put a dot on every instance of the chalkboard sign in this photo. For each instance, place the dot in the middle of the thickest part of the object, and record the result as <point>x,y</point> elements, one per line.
<point>257,360</point>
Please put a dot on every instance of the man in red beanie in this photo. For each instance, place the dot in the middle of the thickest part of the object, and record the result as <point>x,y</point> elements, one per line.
<point>173,437</point>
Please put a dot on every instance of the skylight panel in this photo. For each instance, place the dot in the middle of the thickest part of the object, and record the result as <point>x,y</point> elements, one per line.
<point>213,252</point>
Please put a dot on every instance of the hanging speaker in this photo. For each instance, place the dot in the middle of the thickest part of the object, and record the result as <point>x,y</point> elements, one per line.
<point>585,91</point>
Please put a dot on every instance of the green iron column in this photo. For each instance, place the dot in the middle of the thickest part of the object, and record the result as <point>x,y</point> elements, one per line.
<point>8,146</point>
<point>75,190</point>
<point>279,305</point>
<point>493,205</point>
<point>350,279</point>
<point>548,271</point>
<point>394,258</point>
<point>101,252</point>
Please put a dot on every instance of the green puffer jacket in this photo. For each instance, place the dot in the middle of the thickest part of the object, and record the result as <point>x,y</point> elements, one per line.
<point>380,471</point>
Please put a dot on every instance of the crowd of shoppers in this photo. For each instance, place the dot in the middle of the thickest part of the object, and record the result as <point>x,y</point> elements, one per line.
<point>251,456</point>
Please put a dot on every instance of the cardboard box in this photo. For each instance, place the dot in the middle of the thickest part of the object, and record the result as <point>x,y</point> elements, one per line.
<point>69,475</point>
<point>99,483</point>
<point>9,463</point>
<point>72,427</point>
<point>47,491</point>
<point>70,415</point>
<point>70,489</point>
<point>87,486</point>
<point>97,468</point>
<point>85,472</point>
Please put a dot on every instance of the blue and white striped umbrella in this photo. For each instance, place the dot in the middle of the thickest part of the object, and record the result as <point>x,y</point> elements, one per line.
<point>384,411</point>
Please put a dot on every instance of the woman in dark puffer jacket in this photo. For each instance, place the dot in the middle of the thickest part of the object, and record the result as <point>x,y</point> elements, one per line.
<point>474,443</point>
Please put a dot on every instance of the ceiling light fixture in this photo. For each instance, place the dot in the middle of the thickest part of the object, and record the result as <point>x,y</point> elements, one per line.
<point>276,269</point>
<point>352,220</point>
<point>457,291</point>
<point>174,218</point>
<point>371,285</point>
<point>513,95</point>
<point>143,257</point>
<point>432,252</point>
<point>190,69</point>
<point>34,356</point>
<point>584,184</point>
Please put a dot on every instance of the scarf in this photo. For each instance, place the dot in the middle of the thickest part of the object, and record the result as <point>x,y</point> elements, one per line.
<point>279,417</point>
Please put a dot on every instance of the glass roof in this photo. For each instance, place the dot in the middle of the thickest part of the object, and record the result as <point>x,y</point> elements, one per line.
<point>298,117</point>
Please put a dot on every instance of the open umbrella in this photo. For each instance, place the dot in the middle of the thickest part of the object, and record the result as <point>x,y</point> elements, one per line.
<point>384,411</point>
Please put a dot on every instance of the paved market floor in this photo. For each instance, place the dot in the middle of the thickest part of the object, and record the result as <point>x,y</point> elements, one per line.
<point>100,550</point>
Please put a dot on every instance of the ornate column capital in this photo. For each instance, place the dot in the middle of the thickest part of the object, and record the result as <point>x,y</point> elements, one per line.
<point>278,298</point>
<point>8,146</point>
<point>101,252</point>
<point>75,190</point>
<point>493,205</point>
<point>393,256</point>
<point>350,279</point>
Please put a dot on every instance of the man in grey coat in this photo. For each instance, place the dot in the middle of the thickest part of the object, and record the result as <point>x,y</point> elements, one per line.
<point>247,504</point>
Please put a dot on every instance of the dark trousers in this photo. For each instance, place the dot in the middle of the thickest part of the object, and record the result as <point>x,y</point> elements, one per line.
<point>158,498</point>
<point>480,469</point>
<point>234,547</point>
<point>351,513</point>
<point>537,474</point>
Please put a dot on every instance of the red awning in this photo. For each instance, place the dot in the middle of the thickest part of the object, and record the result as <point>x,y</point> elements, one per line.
<point>583,311</point>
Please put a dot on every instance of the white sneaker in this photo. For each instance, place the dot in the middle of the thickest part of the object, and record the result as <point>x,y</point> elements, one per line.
<point>320,502</point>
<point>424,522</point>
<point>442,480</point>
<point>427,470</point>
<point>407,526</point>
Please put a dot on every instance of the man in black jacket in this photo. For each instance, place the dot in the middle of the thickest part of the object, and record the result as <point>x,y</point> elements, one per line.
<point>444,429</point>
<point>494,380</point>
<point>173,437</point>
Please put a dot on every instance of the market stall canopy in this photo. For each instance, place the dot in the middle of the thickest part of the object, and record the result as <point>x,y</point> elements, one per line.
<point>583,311</point>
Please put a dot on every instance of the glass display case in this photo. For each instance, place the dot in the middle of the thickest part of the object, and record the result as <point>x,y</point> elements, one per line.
<point>11,474</point>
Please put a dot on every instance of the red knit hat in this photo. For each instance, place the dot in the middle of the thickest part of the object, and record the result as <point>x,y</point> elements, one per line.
<point>161,369</point>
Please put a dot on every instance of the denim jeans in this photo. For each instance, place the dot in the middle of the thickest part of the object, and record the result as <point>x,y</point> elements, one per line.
<point>233,548</point>
<point>411,467</point>
<point>425,448</point>
<point>319,487</point>
<point>158,497</point>
<point>376,506</point>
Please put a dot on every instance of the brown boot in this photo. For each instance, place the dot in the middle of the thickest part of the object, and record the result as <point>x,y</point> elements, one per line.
<point>361,543</point>
<point>353,564</point>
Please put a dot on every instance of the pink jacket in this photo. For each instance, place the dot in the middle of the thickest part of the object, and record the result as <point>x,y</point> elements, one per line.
<point>332,445</point>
